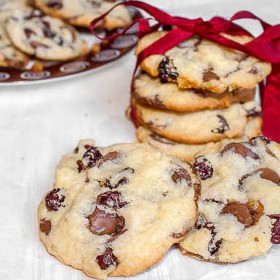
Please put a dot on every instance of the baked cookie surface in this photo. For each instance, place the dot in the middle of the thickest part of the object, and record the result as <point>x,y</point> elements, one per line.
<point>116,211</point>
<point>199,63</point>
<point>44,37</point>
<point>188,152</point>
<point>239,206</point>
<point>8,6</point>
<point>9,55</point>
<point>151,92</point>
<point>82,12</point>
<point>198,127</point>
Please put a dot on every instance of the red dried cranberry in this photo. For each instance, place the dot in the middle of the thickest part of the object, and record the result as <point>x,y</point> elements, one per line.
<point>54,200</point>
<point>224,125</point>
<point>275,231</point>
<point>107,259</point>
<point>28,32</point>
<point>54,4</point>
<point>92,155</point>
<point>111,199</point>
<point>203,168</point>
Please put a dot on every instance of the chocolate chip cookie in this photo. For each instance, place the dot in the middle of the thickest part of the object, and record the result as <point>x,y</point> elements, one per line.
<point>9,55</point>
<point>239,209</point>
<point>199,63</point>
<point>151,92</point>
<point>116,211</point>
<point>44,37</point>
<point>198,127</point>
<point>188,152</point>
<point>82,12</point>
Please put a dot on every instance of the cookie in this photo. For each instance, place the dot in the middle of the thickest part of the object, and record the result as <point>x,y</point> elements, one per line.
<point>116,211</point>
<point>82,12</point>
<point>8,6</point>
<point>44,37</point>
<point>9,55</point>
<point>188,152</point>
<point>239,210</point>
<point>199,63</point>
<point>151,92</point>
<point>198,127</point>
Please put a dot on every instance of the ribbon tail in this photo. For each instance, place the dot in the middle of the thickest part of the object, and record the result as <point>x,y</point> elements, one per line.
<point>271,105</point>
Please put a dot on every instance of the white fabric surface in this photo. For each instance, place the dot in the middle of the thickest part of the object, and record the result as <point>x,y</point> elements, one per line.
<point>40,123</point>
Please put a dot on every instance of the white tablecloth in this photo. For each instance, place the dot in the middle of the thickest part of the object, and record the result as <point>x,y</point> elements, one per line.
<point>40,123</point>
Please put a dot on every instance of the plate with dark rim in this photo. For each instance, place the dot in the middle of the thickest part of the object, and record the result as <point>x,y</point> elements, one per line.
<point>53,71</point>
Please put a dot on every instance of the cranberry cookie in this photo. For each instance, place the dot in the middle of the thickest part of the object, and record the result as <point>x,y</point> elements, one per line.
<point>239,209</point>
<point>199,63</point>
<point>198,127</point>
<point>151,92</point>
<point>44,37</point>
<point>116,211</point>
<point>188,152</point>
<point>9,55</point>
<point>82,12</point>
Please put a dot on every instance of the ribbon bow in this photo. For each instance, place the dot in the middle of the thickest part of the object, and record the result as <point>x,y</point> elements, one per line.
<point>265,47</point>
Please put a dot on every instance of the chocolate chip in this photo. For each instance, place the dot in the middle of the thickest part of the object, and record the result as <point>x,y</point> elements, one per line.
<point>275,230</point>
<point>209,76</point>
<point>45,226</point>
<point>76,150</point>
<point>263,139</point>
<point>111,199</point>
<point>167,71</point>
<point>180,175</point>
<point>253,112</point>
<point>29,32</point>
<point>101,222</point>
<point>180,234</point>
<point>254,70</point>
<point>81,166</point>
<point>224,125</point>
<point>109,157</point>
<point>269,174</point>
<point>247,214</point>
<point>203,168</point>
<point>161,139</point>
<point>54,200</point>
<point>107,259</point>
<point>36,45</point>
<point>240,149</point>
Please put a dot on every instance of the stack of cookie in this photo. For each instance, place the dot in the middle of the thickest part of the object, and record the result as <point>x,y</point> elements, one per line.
<point>196,96</point>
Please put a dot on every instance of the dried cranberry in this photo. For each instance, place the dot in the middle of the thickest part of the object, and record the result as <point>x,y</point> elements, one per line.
<point>36,44</point>
<point>54,200</point>
<point>109,157</point>
<point>28,32</point>
<point>167,71</point>
<point>107,259</point>
<point>54,4</point>
<point>111,199</point>
<point>224,125</point>
<point>92,155</point>
<point>203,168</point>
<point>275,231</point>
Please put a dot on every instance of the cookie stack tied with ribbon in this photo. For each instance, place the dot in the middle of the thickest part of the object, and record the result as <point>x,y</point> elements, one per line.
<point>195,89</point>
<point>196,96</point>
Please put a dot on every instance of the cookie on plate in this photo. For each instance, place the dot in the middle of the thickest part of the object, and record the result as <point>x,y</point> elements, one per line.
<point>188,152</point>
<point>8,6</point>
<point>82,12</point>
<point>44,37</point>
<point>199,63</point>
<point>151,92</point>
<point>198,127</point>
<point>116,211</point>
<point>9,55</point>
<point>239,209</point>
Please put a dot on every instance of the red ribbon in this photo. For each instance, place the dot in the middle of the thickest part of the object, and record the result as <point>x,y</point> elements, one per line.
<point>265,47</point>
